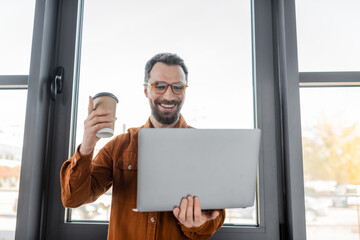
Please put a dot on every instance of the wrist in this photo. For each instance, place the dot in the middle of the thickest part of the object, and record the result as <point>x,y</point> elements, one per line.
<point>83,150</point>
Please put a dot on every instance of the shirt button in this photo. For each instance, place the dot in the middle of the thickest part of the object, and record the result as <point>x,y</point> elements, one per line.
<point>152,220</point>
<point>130,167</point>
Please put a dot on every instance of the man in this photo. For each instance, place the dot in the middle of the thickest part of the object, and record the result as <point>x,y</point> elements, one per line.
<point>83,180</point>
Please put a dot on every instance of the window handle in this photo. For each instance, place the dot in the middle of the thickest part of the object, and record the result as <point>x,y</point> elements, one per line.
<point>57,84</point>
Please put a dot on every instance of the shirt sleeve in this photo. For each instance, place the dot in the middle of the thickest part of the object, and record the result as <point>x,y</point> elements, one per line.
<point>206,230</point>
<point>84,179</point>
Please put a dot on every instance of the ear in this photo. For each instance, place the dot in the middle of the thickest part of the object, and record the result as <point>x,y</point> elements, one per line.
<point>146,91</point>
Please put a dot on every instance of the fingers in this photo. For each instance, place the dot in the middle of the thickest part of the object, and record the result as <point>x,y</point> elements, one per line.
<point>197,210</point>
<point>92,112</point>
<point>190,214</point>
<point>189,209</point>
<point>100,119</point>
<point>176,212</point>
<point>97,113</point>
<point>183,207</point>
<point>96,120</point>
<point>184,213</point>
<point>94,129</point>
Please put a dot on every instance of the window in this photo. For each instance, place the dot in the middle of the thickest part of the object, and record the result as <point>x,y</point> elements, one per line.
<point>331,137</point>
<point>16,22</point>
<point>13,108</point>
<point>55,45</point>
<point>328,51</point>
<point>116,47</point>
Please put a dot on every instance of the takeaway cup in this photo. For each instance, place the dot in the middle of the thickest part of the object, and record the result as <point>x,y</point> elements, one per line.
<point>106,101</point>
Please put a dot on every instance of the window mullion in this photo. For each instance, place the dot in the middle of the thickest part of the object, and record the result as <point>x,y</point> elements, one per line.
<point>329,78</point>
<point>14,81</point>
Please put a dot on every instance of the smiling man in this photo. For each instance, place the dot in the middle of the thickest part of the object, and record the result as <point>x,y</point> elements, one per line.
<point>84,179</point>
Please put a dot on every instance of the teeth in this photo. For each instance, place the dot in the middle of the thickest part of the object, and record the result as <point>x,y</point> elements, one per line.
<point>167,106</point>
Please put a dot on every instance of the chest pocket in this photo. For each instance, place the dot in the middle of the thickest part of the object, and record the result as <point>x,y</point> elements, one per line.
<point>125,179</point>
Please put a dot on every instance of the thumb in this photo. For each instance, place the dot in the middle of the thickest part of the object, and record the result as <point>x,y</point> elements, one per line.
<point>91,105</point>
<point>214,215</point>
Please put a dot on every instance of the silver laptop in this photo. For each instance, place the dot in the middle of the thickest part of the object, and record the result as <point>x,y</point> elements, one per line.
<point>217,165</point>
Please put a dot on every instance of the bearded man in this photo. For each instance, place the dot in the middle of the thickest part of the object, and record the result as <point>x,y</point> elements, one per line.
<point>84,179</point>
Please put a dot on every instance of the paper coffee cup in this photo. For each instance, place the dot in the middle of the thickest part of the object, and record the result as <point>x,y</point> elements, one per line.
<point>106,101</point>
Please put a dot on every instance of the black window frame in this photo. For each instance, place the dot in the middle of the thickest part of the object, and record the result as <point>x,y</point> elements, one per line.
<point>48,126</point>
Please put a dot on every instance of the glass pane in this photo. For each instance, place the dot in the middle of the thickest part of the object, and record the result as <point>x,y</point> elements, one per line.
<point>12,122</point>
<point>118,39</point>
<point>331,155</point>
<point>16,27</point>
<point>328,35</point>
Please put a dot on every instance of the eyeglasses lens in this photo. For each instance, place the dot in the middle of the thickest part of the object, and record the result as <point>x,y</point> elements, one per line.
<point>160,87</point>
<point>177,88</point>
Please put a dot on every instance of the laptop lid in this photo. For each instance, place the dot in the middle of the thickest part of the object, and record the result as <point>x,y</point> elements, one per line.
<point>217,165</point>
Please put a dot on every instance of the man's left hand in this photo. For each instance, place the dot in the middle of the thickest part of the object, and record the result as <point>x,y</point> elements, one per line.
<point>190,214</point>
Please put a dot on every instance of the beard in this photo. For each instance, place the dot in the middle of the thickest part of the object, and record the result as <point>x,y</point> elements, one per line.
<point>166,118</point>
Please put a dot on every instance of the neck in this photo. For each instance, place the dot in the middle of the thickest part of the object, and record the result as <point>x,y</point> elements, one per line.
<point>157,124</point>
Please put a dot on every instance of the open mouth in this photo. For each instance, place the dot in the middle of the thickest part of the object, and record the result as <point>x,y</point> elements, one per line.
<point>167,106</point>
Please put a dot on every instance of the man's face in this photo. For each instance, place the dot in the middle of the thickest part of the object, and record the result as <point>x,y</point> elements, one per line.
<point>165,107</point>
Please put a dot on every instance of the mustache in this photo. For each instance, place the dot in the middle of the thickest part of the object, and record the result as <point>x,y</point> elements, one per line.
<point>157,101</point>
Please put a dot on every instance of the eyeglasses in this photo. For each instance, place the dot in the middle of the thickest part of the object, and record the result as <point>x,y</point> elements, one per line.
<point>177,88</point>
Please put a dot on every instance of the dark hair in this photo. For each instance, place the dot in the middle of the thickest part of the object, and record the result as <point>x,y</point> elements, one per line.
<point>167,58</point>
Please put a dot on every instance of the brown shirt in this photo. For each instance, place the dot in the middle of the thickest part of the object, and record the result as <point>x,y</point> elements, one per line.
<point>83,180</point>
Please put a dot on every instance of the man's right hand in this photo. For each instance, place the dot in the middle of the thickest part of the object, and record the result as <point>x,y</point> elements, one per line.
<point>96,120</point>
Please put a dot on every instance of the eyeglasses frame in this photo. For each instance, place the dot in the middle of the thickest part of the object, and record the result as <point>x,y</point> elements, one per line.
<point>167,85</point>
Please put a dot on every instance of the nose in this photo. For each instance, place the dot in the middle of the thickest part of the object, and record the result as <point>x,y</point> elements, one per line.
<point>168,94</point>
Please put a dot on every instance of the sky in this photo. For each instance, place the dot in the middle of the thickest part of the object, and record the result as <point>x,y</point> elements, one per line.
<point>328,40</point>
<point>339,105</point>
<point>328,35</point>
<point>16,25</point>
